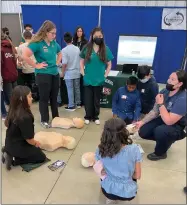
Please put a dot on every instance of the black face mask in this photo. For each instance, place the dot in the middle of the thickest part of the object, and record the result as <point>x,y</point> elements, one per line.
<point>7,33</point>
<point>98,41</point>
<point>170,87</point>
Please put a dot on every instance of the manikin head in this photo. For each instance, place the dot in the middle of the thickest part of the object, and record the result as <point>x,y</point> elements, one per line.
<point>78,122</point>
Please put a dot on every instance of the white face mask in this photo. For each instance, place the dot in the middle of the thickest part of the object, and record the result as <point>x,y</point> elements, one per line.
<point>144,80</point>
<point>27,30</point>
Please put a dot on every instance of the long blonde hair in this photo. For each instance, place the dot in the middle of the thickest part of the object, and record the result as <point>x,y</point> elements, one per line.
<point>47,26</point>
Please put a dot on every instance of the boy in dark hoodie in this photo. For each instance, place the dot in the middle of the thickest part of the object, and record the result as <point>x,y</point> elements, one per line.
<point>148,88</point>
<point>126,102</point>
<point>8,67</point>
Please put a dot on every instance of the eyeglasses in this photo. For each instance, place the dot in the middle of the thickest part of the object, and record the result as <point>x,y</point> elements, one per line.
<point>54,34</point>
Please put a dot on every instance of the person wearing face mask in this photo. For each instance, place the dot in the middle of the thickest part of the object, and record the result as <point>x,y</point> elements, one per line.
<point>27,27</point>
<point>166,122</point>
<point>47,53</point>
<point>126,102</point>
<point>95,65</point>
<point>147,87</point>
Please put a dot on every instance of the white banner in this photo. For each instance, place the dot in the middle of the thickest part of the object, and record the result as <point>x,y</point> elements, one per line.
<point>174,19</point>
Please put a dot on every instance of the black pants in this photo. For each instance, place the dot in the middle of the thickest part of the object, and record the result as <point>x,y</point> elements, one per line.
<point>164,135</point>
<point>38,157</point>
<point>92,96</point>
<point>7,89</point>
<point>28,79</point>
<point>115,197</point>
<point>48,86</point>
<point>63,91</point>
<point>82,90</point>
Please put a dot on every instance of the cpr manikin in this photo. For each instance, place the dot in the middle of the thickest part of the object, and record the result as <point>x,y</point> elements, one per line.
<point>51,141</point>
<point>66,123</point>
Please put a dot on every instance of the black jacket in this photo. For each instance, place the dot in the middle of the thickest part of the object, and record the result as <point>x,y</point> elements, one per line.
<point>80,44</point>
<point>148,92</point>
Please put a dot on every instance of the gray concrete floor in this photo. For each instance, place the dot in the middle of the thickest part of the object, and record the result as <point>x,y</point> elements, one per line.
<point>161,182</point>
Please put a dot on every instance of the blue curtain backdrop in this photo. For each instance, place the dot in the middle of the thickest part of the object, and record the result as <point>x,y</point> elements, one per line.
<point>170,48</point>
<point>66,18</point>
<point>73,16</point>
<point>37,14</point>
<point>115,21</point>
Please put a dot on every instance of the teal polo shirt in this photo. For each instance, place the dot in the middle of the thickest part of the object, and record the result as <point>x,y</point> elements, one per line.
<point>95,68</point>
<point>46,53</point>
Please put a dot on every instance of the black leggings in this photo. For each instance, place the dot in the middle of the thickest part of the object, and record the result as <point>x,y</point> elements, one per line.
<point>48,86</point>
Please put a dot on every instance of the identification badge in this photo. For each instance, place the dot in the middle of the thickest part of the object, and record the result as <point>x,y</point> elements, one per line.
<point>143,90</point>
<point>45,49</point>
<point>124,97</point>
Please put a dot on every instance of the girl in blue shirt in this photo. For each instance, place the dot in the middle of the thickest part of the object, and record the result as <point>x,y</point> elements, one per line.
<point>121,161</point>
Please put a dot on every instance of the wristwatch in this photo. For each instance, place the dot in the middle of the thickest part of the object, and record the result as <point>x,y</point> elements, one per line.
<point>160,105</point>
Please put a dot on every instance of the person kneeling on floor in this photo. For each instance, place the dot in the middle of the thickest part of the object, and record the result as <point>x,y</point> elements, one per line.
<point>165,124</point>
<point>126,102</point>
<point>19,142</point>
<point>121,161</point>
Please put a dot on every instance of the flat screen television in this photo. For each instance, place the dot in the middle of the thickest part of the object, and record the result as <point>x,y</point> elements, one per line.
<point>136,50</point>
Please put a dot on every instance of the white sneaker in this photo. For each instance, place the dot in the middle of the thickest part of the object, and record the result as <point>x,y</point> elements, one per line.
<point>79,106</point>
<point>109,201</point>
<point>87,122</point>
<point>45,125</point>
<point>97,122</point>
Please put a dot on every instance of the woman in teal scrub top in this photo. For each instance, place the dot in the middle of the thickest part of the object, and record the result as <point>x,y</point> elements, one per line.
<point>48,55</point>
<point>95,65</point>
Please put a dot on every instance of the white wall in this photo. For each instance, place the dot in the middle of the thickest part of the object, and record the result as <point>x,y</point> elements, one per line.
<point>14,6</point>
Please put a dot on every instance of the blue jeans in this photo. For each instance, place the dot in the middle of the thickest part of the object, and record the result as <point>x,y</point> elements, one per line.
<point>73,89</point>
<point>59,100</point>
<point>3,109</point>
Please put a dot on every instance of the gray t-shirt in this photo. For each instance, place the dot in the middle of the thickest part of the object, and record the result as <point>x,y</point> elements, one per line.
<point>70,57</point>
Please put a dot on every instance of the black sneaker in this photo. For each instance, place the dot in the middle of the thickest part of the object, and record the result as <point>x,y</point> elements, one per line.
<point>70,108</point>
<point>8,161</point>
<point>185,190</point>
<point>45,125</point>
<point>154,157</point>
<point>2,156</point>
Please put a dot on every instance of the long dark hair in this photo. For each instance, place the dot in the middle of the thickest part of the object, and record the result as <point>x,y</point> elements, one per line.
<point>102,47</point>
<point>75,38</point>
<point>182,77</point>
<point>19,107</point>
<point>114,136</point>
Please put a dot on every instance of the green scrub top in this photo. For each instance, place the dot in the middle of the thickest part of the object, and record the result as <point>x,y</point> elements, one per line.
<point>46,53</point>
<point>95,68</point>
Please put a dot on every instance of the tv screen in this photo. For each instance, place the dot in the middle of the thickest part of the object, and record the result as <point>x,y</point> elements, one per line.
<point>136,50</point>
